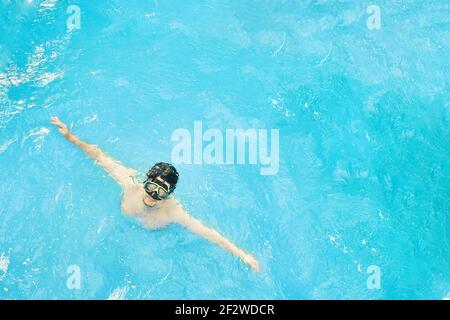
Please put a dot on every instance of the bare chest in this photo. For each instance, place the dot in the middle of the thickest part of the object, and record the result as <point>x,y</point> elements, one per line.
<point>152,217</point>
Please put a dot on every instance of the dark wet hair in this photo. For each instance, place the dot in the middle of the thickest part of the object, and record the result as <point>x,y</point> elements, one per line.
<point>166,171</point>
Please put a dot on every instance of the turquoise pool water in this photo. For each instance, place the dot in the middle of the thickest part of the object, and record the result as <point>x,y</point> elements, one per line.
<point>363,117</point>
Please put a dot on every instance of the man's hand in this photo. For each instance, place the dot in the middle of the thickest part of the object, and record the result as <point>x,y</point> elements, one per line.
<point>62,126</point>
<point>251,262</point>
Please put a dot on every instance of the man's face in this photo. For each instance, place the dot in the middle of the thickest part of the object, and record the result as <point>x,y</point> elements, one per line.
<point>151,201</point>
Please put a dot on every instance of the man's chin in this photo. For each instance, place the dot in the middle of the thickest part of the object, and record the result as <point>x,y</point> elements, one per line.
<point>150,202</point>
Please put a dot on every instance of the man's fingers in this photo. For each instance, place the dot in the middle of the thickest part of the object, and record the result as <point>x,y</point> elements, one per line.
<point>252,262</point>
<point>62,128</point>
<point>55,120</point>
<point>255,265</point>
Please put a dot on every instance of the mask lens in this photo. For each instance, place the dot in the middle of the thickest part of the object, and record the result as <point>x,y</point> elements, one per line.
<point>162,193</point>
<point>150,187</point>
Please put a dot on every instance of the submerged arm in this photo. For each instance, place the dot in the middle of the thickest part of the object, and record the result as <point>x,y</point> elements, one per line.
<point>197,227</point>
<point>121,174</point>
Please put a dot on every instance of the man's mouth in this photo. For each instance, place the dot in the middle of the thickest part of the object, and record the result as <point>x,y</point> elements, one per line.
<point>149,201</point>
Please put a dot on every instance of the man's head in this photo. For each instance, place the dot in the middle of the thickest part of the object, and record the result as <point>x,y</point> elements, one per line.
<point>161,181</point>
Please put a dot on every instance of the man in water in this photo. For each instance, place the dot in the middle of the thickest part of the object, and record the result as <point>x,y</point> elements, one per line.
<point>151,202</point>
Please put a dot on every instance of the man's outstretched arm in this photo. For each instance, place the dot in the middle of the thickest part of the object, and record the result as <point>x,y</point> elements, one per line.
<point>121,174</point>
<point>181,217</point>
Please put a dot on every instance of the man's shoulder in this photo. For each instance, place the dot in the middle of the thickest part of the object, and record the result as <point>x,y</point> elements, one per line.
<point>131,185</point>
<point>174,208</point>
<point>174,203</point>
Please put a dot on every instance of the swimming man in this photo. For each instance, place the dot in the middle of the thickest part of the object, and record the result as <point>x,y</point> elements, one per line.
<point>151,202</point>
